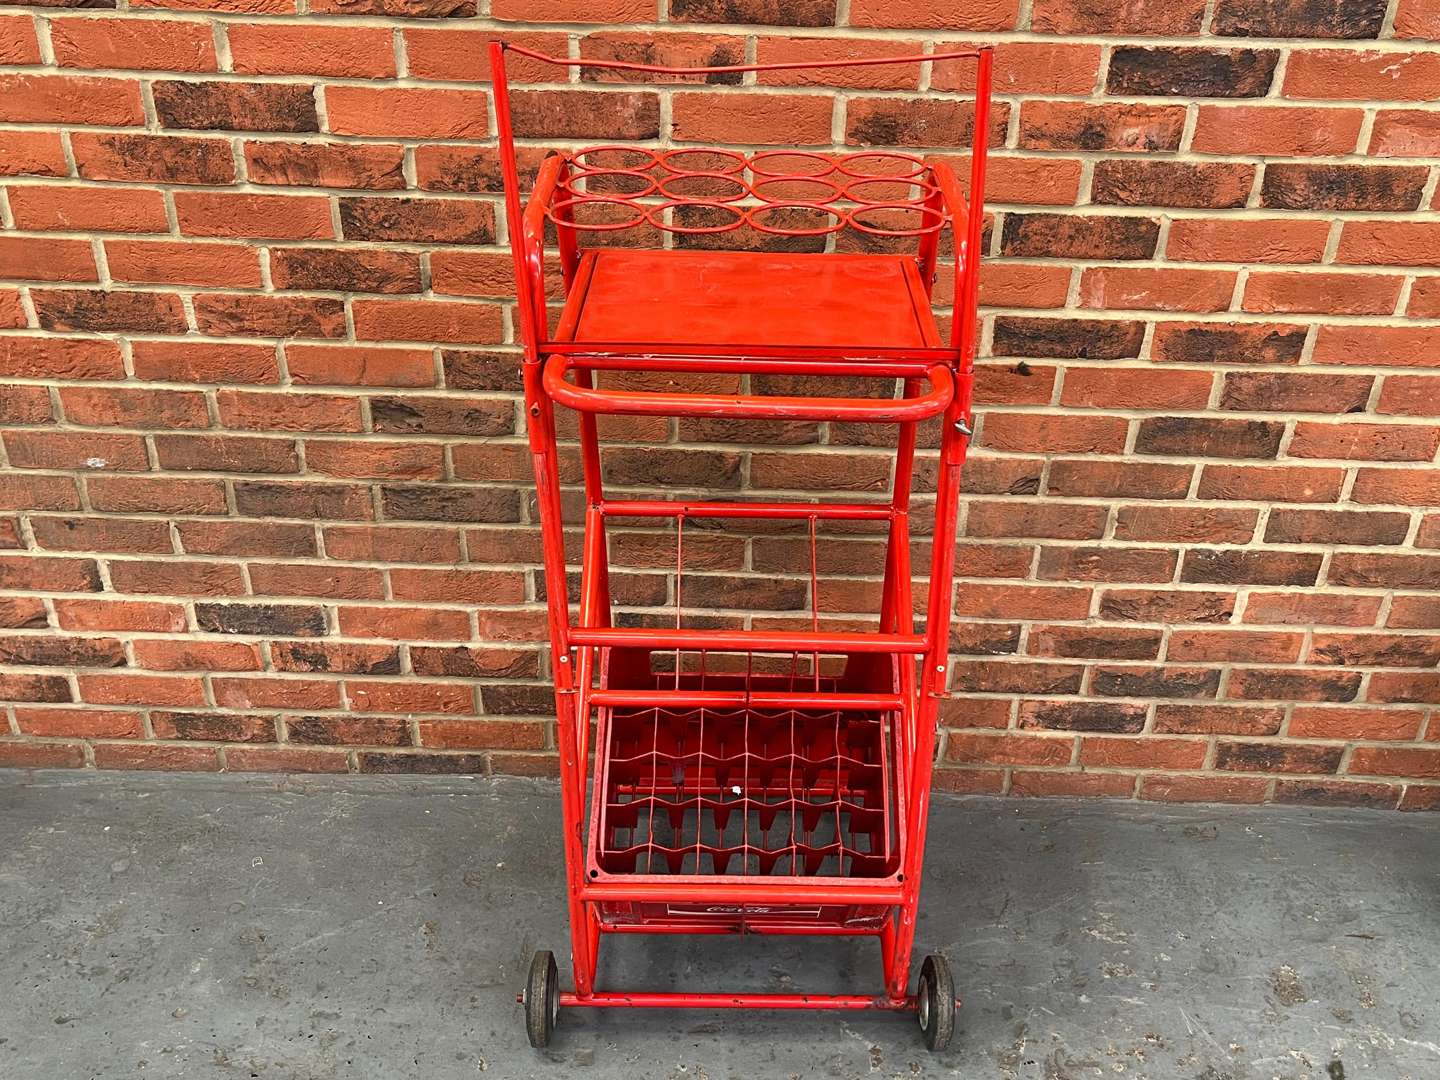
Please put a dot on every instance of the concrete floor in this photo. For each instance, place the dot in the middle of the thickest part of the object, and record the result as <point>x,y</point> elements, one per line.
<point>306,928</point>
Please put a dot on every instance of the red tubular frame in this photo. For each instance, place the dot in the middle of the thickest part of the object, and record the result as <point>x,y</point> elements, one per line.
<point>938,380</point>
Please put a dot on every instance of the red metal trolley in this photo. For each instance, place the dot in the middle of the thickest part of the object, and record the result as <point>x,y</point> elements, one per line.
<point>759,777</point>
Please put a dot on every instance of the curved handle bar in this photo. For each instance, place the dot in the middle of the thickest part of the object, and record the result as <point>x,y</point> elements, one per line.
<point>735,69</point>
<point>749,407</point>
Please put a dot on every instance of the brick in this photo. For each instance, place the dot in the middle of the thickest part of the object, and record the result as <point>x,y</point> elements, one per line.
<point>765,12</point>
<point>25,405</point>
<point>1276,757</point>
<point>187,578</point>
<point>163,655</point>
<point>1204,789</point>
<point>1077,125</point>
<point>1183,525</point>
<point>1227,343</point>
<point>1008,749</point>
<point>427,320</point>
<point>358,366</point>
<point>59,358</point>
<point>1035,519</point>
<point>1403,487</point>
<point>61,651</point>
<point>370,543</point>
<point>308,501</point>
<point>1148,752</point>
<point>101,534</point>
<point>268,620</point>
<point>462,55</point>
<point>226,453</point>
<point>262,693</point>
<point>410,696</point>
<point>147,495</point>
<point>1304,186</point>
<point>1421,687</point>
<point>1271,130</point>
<point>27,687</point>
<point>1390,243</point>
<point>269,316</point>
<point>308,579</point>
<point>1208,437</point>
<point>1167,17</point>
<point>1336,527</point>
<point>1106,564</point>
<point>1065,236</point>
<point>346,657</point>
<point>374,167</point>
<point>1115,288</point>
<point>1385,571</point>
<point>1153,682</point>
<point>1298,19</point>
<point>981,15</point>
<point>213,727</point>
<point>70,99</point>
<point>779,119</point>
<point>175,263</point>
<point>1207,185</point>
<point>1186,719</point>
<point>1399,346</point>
<point>235,106</point>
<point>78,723</point>
<point>463,586</point>
<point>1273,240</point>
<point>140,690</point>
<point>1293,391</point>
<point>348,731</point>
<point>94,310</point>
<point>374,460</point>
<point>410,9</point>
<point>1233,566</point>
<point>352,269</point>
<point>1374,442</point>
<point>1269,483</point>
<point>1054,434</point>
<point>1417,19</point>
<point>1106,479</point>
<point>1375,650</point>
<point>285,759</point>
<point>1234,646</point>
<point>1338,294</point>
<point>1348,74</point>
<point>1388,761</point>
<point>432,764</point>
<point>442,415</point>
<point>246,538</point>
<point>689,50</point>
<point>1337,793</point>
<point>151,45</point>
<point>418,502</point>
<point>202,362</point>
<point>1025,285</point>
<point>144,615</point>
<point>405,623</point>
<point>1098,642</point>
<point>1112,717</point>
<point>1414,613</point>
<point>1291,684</point>
<point>1173,71</point>
<point>166,159</point>
<point>1299,609</point>
<point>288,217</point>
<point>1091,339</point>
<point>149,756</point>
<point>431,221</point>
<point>17,41</point>
<point>25,258</point>
<point>32,153</point>
<point>916,122</point>
<point>1405,133</point>
<point>1424,299</point>
<point>288,411</point>
<point>355,52</point>
<point>1166,606</point>
<point>443,114</point>
<point>74,450</point>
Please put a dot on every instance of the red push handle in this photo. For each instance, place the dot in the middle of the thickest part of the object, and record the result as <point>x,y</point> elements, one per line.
<point>735,69</point>
<point>749,407</point>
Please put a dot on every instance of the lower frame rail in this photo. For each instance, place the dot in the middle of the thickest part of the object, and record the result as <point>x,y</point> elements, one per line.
<point>619,999</point>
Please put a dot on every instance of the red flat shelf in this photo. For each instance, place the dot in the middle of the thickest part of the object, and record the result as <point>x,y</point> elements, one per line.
<point>692,298</point>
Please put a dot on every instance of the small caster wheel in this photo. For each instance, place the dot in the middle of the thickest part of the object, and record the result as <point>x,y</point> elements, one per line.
<point>542,999</point>
<point>936,1005</point>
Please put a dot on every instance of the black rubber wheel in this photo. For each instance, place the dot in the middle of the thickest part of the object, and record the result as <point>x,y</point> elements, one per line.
<point>542,999</point>
<point>936,1002</point>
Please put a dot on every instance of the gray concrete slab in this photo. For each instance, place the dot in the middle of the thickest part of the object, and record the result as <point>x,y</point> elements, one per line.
<point>241,926</point>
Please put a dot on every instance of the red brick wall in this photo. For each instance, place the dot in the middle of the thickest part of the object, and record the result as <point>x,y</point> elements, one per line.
<point>264,488</point>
